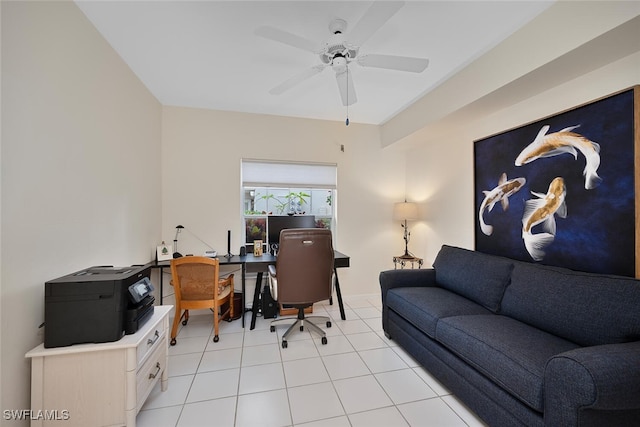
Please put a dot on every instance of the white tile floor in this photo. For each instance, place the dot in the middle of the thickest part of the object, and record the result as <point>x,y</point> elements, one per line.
<point>359,378</point>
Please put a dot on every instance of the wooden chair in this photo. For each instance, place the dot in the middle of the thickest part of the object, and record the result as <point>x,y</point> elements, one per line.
<point>198,285</point>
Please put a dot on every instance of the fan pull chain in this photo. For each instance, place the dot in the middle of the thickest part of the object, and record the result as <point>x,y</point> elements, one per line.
<point>346,122</point>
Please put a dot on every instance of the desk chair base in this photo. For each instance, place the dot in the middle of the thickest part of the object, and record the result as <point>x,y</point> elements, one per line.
<point>300,322</point>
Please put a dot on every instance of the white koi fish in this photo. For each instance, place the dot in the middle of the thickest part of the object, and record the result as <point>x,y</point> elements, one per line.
<point>565,141</point>
<point>499,194</point>
<point>542,211</point>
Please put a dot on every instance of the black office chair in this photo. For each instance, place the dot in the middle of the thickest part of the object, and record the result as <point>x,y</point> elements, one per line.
<point>303,275</point>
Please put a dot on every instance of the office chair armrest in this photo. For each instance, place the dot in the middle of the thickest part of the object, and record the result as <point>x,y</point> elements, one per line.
<point>273,282</point>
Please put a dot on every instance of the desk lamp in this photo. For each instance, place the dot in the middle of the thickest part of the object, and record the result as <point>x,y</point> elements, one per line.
<point>177,254</point>
<point>405,211</point>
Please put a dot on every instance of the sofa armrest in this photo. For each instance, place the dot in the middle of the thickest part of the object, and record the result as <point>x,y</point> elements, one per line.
<point>600,378</point>
<point>390,279</point>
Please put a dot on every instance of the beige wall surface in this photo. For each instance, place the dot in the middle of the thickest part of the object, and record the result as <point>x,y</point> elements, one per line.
<point>201,189</point>
<point>80,168</point>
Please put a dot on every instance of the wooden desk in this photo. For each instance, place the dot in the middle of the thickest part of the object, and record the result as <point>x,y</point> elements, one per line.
<point>260,265</point>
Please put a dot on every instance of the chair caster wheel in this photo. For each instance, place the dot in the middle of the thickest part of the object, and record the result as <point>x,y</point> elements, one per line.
<point>272,328</point>
<point>284,344</point>
<point>324,340</point>
<point>184,322</point>
<point>216,338</point>
<point>173,341</point>
<point>301,328</point>
<point>328,324</point>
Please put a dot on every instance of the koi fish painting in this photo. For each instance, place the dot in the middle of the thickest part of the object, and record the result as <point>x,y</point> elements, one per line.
<point>500,194</point>
<point>561,142</point>
<point>542,211</point>
<point>572,198</point>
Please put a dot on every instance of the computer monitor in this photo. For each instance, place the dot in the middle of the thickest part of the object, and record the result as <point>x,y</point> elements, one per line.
<point>276,224</point>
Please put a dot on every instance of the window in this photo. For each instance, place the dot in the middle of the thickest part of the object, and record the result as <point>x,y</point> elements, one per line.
<point>285,188</point>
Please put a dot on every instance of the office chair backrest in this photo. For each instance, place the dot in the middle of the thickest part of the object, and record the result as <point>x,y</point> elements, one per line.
<point>304,265</point>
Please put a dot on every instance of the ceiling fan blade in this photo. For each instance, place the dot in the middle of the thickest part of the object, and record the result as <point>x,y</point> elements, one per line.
<point>297,79</point>
<point>392,62</point>
<point>287,38</point>
<point>345,85</point>
<point>375,17</point>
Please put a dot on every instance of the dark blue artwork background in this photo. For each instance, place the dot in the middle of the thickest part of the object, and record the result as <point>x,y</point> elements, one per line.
<point>598,234</point>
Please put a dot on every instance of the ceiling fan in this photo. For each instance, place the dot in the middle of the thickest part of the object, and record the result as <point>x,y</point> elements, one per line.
<point>340,50</point>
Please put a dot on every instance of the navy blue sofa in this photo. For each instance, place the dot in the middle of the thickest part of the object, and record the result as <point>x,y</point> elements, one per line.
<point>521,343</point>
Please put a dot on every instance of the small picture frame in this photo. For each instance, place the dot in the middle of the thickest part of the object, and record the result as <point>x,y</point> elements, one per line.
<point>164,252</point>
<point>257,248</point>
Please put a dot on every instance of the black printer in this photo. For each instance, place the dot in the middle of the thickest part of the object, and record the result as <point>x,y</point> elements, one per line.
<point>97,304</point>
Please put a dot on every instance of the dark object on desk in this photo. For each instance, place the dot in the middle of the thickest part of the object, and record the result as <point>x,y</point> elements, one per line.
<point>197,285</point>
<point>177,254</point>
<point>95,305</point>
<point>229,254</point>
<point>243,251</point>
<point>303,275</point>
<point>279,223</point>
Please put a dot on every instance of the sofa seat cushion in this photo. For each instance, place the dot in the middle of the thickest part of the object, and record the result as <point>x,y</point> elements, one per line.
<point>480,277</point>
<point>508,352</point>
<point>588,309</point>
<point>424,306</point>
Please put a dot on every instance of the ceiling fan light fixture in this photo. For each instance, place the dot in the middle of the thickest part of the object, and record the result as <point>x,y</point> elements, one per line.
<point>339,64</point>
<point>339,51</point>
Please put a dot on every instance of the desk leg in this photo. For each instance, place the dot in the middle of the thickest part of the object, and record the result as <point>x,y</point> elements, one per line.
<point>256,301</point>
<point>242,291</point>
<point>339,294</point>
<point>161,280</point>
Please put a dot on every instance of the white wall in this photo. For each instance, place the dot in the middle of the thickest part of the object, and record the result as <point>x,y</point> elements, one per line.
<point>201,155</point>
<point>440,170</point>
<point>80,168</point>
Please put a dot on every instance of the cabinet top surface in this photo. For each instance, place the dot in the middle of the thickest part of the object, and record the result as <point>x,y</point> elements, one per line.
<point>127,341</point>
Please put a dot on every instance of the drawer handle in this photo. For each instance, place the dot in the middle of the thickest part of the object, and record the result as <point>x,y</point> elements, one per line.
<point>152,376</point>
<point>153,341</point>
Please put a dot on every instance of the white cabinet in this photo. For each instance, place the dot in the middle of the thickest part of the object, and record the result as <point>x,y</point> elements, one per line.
<point>100,384</point>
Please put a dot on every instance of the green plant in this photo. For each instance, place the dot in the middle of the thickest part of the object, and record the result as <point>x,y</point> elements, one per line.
<point>296,200</point>
<point>278,204</point>
<point>256,229</point>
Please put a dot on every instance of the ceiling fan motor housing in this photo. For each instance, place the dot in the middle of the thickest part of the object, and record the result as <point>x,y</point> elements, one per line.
<point>336,47</point>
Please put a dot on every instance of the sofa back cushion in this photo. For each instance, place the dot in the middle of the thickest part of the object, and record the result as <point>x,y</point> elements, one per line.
<point>480,277</point>
<point>588,309</point>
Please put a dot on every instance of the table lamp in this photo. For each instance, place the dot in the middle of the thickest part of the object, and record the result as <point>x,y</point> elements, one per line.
<point>177,254</point>
<point>405,211</point>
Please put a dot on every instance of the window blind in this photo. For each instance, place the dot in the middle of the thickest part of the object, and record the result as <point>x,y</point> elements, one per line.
<point>265,173</point>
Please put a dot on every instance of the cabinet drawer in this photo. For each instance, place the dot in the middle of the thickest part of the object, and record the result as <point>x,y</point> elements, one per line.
<point>150,342</point>
<point>151,371</point>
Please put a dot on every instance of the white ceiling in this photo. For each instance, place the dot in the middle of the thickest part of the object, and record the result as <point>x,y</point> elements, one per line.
<point>205,54</point>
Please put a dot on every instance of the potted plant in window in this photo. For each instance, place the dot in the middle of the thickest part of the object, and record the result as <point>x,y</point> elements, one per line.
<point>296,201</point>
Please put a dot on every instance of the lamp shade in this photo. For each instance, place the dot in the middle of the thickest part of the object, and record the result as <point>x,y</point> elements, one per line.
<point>405,211</point>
